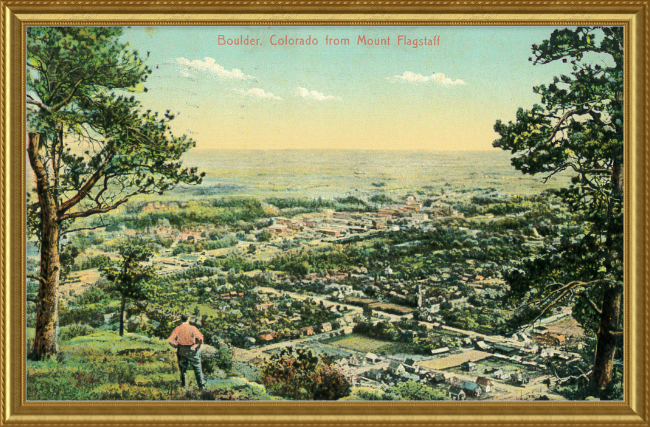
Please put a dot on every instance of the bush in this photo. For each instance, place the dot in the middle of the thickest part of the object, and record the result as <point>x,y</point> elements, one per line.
<point>95,262</point>
<point>66,333</point>
<point>92,315</point>
<point>56,384</point>
<point>413,390</point>
<point>130,392</point>
<point>220,358</point>
<point>139,325</point>
<point>377,395</point>
<point>301,375</point>
<point>122,373</point>
<point>92,296</point>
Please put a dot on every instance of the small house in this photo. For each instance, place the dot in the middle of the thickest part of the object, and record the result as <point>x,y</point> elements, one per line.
<point>456,393</point>
<point>454,381</point>
<point>409,377</point>
<point>377,225</point>
<point>353,361</point>
<point>266,337</point>
<point>485,384</point>
<point>504,349</point>
<point>374,374</point>
<point>501,375</point>
<point>440,350</point>
<point>468,366</point>
<point>471,389</point>
<point>307,330</point>
<point>410,366</point>
<point>436,378</point>
<point>396,368</point>
<point>520,379</point>
<point>483,346</point>
<point>372,358</point>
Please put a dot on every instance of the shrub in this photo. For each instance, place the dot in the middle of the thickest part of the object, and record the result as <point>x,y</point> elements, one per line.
<point>220,358</point>
<point>301,375</point>
<point>66,333</point>
<point>92,315</point>
<point>56,384</point>
<point>413,390</point>
<point>95,262</point>
<point>140,325</point>
<point>122,373</point>
<point>377,395</point>
<point>130,392</point>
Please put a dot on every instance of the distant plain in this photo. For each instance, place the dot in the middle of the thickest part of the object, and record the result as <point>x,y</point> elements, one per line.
<point>338,173</point>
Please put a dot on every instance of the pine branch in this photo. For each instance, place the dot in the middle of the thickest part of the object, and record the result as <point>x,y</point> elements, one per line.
<point>40,105</point>
<point>37,278</point>
<point>100,209</point>
<point>592,304</point>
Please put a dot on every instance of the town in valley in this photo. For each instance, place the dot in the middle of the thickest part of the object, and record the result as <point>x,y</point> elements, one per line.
<point>390,290</point>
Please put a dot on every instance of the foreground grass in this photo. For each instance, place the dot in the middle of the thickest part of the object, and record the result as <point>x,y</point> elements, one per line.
<point>104,366</point>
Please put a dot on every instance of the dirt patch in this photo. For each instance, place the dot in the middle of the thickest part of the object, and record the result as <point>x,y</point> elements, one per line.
<point>568,327</point>
<point>77,283</point>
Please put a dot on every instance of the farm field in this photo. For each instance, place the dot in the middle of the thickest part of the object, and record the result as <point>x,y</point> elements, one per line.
<point>454,360</point>
<point>368,345</point>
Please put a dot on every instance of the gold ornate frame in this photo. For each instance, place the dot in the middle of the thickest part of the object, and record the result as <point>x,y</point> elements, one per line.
<point>16,14</point>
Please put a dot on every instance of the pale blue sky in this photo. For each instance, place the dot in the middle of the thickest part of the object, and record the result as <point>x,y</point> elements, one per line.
<point>342,96</point>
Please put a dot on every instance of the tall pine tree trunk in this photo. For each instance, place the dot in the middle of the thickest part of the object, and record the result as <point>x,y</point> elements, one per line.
<point>122,304</point>
<point>47,317</point>
<point>610,319</point>
<point>603,371</point>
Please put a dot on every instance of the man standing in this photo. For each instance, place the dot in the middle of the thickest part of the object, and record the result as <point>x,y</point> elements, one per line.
<point>187,340</point>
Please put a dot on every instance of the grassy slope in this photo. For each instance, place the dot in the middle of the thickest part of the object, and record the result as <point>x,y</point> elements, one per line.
<point>103,366</point>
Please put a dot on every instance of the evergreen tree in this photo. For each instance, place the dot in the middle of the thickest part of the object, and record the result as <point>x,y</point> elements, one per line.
<point>578,127</point>
<point>90,149</point>
<point>131,277</point>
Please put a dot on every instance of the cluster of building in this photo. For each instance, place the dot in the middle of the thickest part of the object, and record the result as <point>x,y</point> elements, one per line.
<point>375,371</point>
<point>389,295</point>
<point>330,223</point>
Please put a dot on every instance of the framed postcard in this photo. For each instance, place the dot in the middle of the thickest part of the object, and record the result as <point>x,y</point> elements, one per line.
<point>350,213</point>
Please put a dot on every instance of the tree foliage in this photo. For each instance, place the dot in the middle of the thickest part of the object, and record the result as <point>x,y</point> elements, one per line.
<point>415,390</point>
<point>578,127</point>
<point>131,277</point>
<point>101,147</point>
<point>301,375</point>
<point>91,147</point>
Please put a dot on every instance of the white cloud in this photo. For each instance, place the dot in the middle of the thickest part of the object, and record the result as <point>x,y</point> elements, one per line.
<point>315,95</point>
<point>257,93</point>
<point>411,77</point>
<point>210,65</point>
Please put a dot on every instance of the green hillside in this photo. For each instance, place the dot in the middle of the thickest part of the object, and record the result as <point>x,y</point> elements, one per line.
<point>99,365</point>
